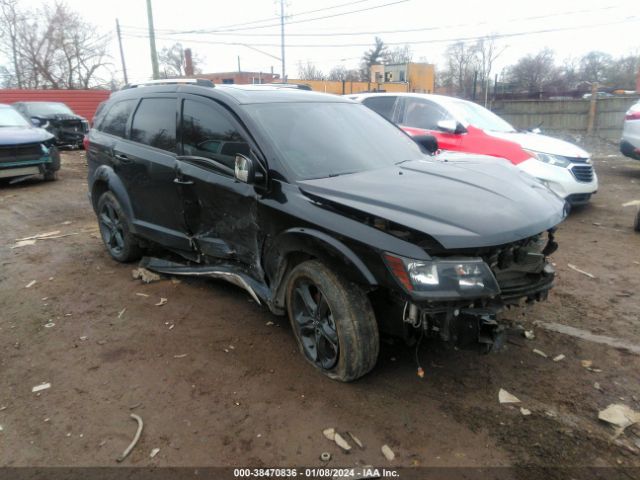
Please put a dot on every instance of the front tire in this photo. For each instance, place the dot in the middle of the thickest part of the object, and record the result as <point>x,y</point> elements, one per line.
<point>114,230</point>
<point>333,321</point>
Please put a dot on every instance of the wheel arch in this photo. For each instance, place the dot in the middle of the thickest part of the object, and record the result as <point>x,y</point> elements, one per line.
<point>105,179</point>
<point>296,245</point>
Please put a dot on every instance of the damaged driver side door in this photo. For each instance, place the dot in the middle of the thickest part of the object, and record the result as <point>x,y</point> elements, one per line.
<point>219,212</point>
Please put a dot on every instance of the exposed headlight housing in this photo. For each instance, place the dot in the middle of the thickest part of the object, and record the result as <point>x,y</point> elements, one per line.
<point>444,278</point>
<point>555,160</point>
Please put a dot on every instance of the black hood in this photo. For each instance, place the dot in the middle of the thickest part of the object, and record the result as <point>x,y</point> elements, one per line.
<point>460,204</point>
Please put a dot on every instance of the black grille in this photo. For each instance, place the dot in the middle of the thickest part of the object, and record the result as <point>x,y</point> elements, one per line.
<point>17,153</point>
<point>583,173</point>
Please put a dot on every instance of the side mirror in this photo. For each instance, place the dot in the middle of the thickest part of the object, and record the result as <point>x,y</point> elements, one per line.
<point>451,126</point>
<point>427,143</point>
<point>244,169</point>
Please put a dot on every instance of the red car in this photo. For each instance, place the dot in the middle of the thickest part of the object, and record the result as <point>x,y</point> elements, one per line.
<point>464,126</point>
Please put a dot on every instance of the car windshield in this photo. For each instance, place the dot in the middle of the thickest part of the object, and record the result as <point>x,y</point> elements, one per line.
<point>317,140</point>
<point>48,108</point>
<point>11,118</point>
<point>480,117</point>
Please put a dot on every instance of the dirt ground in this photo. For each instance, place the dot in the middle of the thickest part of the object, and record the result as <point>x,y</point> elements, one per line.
<point>218,380</point>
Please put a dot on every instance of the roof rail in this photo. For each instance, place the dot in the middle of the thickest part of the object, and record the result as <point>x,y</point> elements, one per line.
<point>202,82</point>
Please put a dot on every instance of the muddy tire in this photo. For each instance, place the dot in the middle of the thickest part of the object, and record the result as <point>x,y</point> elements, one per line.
<point>333,321</point>
<point>114,230</point>
<point>51,171</point>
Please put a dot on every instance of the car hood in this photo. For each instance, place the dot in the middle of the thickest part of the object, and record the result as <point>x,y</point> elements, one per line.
<point>59,117</point>
<point>20,135</point>
<point>461,204</point>
<point>542,143</point>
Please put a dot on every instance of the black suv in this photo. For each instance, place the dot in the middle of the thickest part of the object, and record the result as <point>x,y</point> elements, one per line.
<point>322,210</point>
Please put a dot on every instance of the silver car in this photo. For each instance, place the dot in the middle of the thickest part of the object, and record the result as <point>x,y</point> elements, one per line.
<point>630,142</point>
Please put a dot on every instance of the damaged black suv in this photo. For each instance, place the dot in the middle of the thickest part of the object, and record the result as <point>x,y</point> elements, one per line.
<point>322,210</point>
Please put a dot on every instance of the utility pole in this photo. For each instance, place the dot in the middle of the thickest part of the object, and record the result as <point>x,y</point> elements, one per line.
<point>152,42</point>
<point>284,77</point>
<point>239,69</point>
<point>124,66</point>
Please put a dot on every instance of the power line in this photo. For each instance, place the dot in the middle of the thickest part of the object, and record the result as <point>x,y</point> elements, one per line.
<point>178,32</point>
<point>418,42</point>
<point>270,19</point>
<point>411,30</point>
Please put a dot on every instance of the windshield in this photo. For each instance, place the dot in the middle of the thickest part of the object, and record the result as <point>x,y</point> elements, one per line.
<point>317,140</point>
<point>11,118</point>
<point>47,108</point>
<point>480,117</point>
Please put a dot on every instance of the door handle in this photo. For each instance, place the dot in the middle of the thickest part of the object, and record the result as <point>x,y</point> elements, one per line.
<point>122,158</point>
<point>180,181</point>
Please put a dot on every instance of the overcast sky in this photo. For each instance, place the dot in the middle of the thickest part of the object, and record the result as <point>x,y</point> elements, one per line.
<point>571,28</point>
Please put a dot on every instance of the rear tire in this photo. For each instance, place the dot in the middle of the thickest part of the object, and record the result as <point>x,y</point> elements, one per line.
<point>333,321</point>
<point>114,230</point>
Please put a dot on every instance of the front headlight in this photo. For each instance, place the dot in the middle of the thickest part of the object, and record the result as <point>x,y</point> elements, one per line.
<point>446,278</point>
<point>555,160</point>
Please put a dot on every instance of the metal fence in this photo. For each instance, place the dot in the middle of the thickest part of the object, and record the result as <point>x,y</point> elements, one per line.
<point>567,115</point>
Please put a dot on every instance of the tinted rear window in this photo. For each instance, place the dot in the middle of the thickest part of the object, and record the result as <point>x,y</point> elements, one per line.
<point>381,105</point>
<point>154,123</point>
<point>115,121</point>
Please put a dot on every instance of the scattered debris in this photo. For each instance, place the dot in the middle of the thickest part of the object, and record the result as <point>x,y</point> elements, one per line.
<point>42,386</point>
<point>540,352</point>
<point>420,372</point>
<point>269,323</point>
<point>325,456</point>
<point>147,276</point>
<point>573,267</point>
<point>121,312</point>
<point>525,411</point>
<point>330,434</point>
<point>529,335</point>
<point>182,355</point>
<point>175,280</point>
<point>134,406</point>
<point>341,442</point>
<point>162,302</point>
<point>557,358</point>
<point>154,452</point>
<point>135,438</point>
<point>590,337</point>
<point>30,284</point>
<point>387,452</point>
<point>23,243</point>
<point>83,338</point>
<point>597,386</point>
<point>356,440</point>
<point>619,415</point>
<point>632,203</point>
<point>506,397</point>
<point>39,236</point>
<point>142,294</point>
<point>586,363</point>
<point>49,325</point>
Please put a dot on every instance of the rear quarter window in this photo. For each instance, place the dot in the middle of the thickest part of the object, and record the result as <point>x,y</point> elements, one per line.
<point>116,118</point>
<point>154,123</point>
<point>381,105</point>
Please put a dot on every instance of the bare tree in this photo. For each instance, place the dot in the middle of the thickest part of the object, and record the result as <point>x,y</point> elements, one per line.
<point>341,73</point>
<point>533,72</point>
<point>460,59</point>
<point>398,55</point>
<point>487,52</point>
<point>623,71</point>
<point>308,71</point>
<point>594,66</point>
<point>52,47</point>
<point>172,61</point>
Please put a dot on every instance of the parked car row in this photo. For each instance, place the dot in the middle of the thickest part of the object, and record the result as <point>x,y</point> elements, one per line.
<point>30,134</point>
<point>323,211</point>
